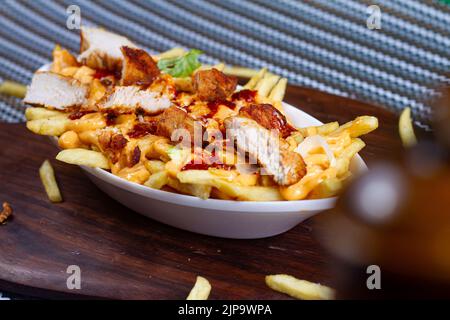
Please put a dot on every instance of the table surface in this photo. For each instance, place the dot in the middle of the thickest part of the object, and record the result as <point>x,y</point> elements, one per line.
<point>124,255</point>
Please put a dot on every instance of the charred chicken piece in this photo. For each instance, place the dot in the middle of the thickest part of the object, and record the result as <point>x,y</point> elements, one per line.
<point>213,85</point>
<point>172,119</point>
<point>138,68</point>
<point>269,117</point>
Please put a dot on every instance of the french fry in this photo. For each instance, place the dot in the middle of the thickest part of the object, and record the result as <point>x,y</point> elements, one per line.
<point>299,289</point>
<point>84,74</point>
<point>311,180</point>
<point>240,71</point>
<point>266,181</point>
<point>318,159</point>
<point>342,166</point>
<point>157,180</point>
<point>277,93</point>
<point>231,189</point>
<point>47,175</point>
<point>96,92</point>
<point>178,158</point>
<point>160,150</point>
<point>356,146</point>
<point>246,179</point>
<point>328,188</point>
<point>201,290</point>
<point>69,140</point>
<point>265,85</point>
<point>322,130</point>
<point>217,194</point>
<point>184,84</point>
<point>62,59</point>
<point>33,113</point>
<point>198,190</point>
<point>137,173</point>
<point>154,166</point>
<point>359,126</point>
<point>405,128</point>
<point>255,79</point>
<point>339,142</point>
<point>197,176</point>
<point>228,175</point>
<point>172,53</point>
<point>252,193</point>
<point>12,88</point>
<point>53,126</point>
<point>219,66</point>
<point>83,157</point>
<point>90,121</point>
<point>68,71</point>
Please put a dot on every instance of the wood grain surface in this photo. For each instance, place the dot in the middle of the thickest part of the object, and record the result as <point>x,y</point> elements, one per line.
<point>124,255</point>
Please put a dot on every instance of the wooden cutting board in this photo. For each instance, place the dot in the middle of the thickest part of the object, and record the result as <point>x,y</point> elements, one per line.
<point>123,255</point>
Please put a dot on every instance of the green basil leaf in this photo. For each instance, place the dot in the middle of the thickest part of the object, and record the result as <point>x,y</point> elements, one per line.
<point>180,67</point>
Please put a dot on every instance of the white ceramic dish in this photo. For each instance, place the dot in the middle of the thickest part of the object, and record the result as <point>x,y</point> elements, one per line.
<point>220,218</point>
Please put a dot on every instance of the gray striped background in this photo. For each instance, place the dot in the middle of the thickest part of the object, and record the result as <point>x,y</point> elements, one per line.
<point>321,44</point>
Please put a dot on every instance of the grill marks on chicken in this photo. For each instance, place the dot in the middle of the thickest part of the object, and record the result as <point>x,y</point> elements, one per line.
<point>172,119</point>
<point>286,166</point>
<point>269,117</point>
<point>211,85</point>
<point>139,68</point>
<point>127,99</point>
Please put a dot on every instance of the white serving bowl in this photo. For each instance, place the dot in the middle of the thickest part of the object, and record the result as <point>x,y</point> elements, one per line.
<point>220,218</point>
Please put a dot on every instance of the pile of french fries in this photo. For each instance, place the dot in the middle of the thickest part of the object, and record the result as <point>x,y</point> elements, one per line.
<point>161,162</point>
<point>163,167</point>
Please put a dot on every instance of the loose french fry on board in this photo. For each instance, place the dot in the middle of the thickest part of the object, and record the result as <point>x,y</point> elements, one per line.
<point>201,290</point>
<point>405,128</point>
<point>48,179</point>
<point>299,289</point>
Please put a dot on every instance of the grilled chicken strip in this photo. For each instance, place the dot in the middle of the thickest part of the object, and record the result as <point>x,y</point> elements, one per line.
<point>269,117</point>
<point>139,68</point>
<point>286,166</point>
<point>100,49</point>
<point>129,99</point>
<point>213,85</point>
<point>55,91</point>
